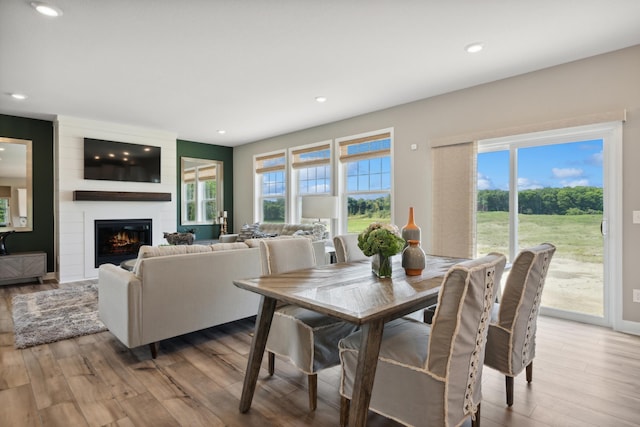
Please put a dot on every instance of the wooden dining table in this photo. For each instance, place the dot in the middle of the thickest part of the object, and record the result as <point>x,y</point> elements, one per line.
<point>350,292</point>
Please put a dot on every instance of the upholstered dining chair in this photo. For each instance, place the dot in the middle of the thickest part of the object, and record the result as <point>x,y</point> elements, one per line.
<point>347,250</point>
<point>430,375</point>
<point>306,338</point>
<point>511,342</point>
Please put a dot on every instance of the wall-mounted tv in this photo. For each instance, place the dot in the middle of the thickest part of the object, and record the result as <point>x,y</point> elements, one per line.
<point>121,161</point>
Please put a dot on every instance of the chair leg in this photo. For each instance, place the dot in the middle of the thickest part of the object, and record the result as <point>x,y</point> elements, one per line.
<point>530,372</point>
<point>509,384</point>
<point>475,422</point>
<point>313,391</point>
<point>344,411</point>
<point>272,362</point>
<point>154,347</point>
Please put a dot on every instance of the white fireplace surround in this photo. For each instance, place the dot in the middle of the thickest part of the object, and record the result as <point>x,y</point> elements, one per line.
<point>74,222</point>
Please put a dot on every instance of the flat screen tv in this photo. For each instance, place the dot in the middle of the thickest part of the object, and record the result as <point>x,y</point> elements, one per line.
<point>121,161</point>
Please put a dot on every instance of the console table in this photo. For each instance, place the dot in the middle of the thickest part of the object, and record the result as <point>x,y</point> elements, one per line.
<point>22,265</point>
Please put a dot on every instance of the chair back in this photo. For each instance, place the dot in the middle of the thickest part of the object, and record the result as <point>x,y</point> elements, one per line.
<point>459,331</point>
<point>283,255</point>
<point>520,302</point>
<point>347,250</point>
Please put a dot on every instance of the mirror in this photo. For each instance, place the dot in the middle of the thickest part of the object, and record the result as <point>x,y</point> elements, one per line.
<point>201,191</point>
<point>16,192</point>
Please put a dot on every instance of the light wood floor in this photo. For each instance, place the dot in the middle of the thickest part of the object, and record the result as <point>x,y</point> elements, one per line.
<point>583,375</point>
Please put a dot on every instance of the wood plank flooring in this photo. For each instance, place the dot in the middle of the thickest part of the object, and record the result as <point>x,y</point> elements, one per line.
<point>583,375</point>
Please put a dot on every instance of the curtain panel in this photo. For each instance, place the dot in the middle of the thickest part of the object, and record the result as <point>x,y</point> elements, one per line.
<point>454,200</point>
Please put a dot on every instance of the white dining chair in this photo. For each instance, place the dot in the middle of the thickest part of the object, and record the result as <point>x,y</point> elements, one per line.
<point>306,338</point>
<point>347,250</point>
<point>430,375</point>
<point>511,342</point>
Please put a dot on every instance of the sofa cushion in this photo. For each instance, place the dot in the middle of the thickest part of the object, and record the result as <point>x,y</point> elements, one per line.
<point>147,251</point>
<point>228,246</point>
<point>290,229</point>
<point>272,229</point>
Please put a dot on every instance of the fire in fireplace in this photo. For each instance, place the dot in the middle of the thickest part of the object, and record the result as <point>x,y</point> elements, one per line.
<point>119,240</point>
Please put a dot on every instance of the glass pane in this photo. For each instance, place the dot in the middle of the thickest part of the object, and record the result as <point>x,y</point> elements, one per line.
<point>273,209</point>
<point>273,183</point>
<point>363,210</point>
<point>314,180</point>
<point>561,201</point>
<point>4,211</point>
<point>492,220</point>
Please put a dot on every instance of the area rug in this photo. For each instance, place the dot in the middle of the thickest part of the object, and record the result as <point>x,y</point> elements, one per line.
<point>54,315</point>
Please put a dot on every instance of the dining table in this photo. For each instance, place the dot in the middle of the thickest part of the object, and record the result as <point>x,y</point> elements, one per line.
<point>352,293</point>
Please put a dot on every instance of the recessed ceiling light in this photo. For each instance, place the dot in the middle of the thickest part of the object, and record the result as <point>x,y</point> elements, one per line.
<point>46,9</point>
<point>19,96</point>
<point>474,47</point>
<point>221,131</point>
<point>321,99</point>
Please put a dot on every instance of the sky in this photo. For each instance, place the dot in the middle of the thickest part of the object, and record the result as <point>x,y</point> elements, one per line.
<point>559,165</point>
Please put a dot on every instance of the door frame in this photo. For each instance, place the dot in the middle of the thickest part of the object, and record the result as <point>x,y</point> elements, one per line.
<point>611,135</point>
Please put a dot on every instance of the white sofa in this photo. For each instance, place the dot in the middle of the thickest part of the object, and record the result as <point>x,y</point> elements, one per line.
<point>174,290</point>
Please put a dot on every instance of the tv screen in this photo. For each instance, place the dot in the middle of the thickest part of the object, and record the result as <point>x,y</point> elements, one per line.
<point>121,161</point>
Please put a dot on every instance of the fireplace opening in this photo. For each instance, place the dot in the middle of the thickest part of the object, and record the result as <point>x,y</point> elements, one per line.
<point>118,240</point>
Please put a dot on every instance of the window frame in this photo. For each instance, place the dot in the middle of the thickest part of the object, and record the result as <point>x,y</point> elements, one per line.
<point>259,171</point>
<point>296,165</point>
<point>345,159</point>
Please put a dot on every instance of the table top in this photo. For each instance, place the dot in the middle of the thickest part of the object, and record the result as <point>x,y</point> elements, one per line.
<point>351,292</point>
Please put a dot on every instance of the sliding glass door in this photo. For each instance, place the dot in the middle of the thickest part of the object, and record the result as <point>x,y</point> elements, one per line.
<point>549,187</point>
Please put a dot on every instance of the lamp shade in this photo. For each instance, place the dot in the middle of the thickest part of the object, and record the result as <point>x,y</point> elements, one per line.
<point>319,207</point>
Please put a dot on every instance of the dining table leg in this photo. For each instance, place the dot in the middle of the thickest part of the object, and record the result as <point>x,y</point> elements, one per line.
<point>365,372</point>
<point>263,325</point>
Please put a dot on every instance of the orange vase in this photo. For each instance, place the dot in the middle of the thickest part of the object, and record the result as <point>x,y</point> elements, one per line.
<point>410,231</point>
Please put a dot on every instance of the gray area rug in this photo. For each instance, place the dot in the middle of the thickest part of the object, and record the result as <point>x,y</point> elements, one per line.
<point>54,315</point>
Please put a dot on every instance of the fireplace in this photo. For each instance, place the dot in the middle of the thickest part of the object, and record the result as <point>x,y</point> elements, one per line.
<point>119,239</point>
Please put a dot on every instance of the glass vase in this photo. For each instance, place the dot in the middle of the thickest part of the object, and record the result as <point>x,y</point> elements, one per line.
<point>381,266</point>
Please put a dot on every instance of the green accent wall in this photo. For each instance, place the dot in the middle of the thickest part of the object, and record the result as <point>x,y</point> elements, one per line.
<point>199,150</point>
<point>40,132</point>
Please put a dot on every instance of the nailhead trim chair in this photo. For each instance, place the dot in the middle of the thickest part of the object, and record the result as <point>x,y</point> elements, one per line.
<point>430,375</point>
<point>511,342</point>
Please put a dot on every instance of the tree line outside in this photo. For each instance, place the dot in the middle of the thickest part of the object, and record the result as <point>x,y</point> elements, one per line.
<point>359,211</point>
<point>545,201</point>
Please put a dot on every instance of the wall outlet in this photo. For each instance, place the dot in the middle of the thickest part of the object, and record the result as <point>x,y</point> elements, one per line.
<point>636,295</point>
<point>636,217</point>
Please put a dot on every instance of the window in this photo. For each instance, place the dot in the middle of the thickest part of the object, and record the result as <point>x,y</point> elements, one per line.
<point>311,171</point>
<point>366,169</point>
<point>4,212</point>
<point>271,187</point>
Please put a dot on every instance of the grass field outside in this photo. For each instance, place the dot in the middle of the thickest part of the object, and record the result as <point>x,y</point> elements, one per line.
<point>358,223</point>
<point>575,279</point>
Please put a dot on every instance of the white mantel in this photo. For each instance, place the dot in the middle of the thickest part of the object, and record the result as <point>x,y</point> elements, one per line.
<point>74,225</point>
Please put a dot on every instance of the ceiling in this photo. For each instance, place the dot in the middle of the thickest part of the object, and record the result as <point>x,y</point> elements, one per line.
<point>254,67</point>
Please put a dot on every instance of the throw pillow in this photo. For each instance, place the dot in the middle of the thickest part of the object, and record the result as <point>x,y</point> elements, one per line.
<point>320,231</point>
<point>247,231</point>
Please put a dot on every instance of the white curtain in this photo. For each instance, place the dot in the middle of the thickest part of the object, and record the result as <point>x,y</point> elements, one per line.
<point>454,200</point>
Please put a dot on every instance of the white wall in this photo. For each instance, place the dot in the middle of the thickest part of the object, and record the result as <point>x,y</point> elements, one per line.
<point>75,219</point>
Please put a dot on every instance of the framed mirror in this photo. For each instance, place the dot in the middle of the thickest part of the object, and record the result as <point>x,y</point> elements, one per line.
<point>201,189</point>
<point>16,190</point>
